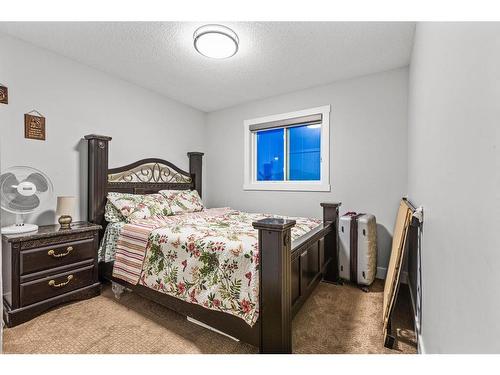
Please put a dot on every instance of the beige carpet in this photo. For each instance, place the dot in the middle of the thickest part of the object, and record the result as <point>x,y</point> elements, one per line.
<point>335,319</point>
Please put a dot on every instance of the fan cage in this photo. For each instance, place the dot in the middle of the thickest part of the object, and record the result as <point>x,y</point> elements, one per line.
<point>21,173</point>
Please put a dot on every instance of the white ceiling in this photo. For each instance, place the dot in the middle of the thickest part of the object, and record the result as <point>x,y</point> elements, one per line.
<point>273,58</point>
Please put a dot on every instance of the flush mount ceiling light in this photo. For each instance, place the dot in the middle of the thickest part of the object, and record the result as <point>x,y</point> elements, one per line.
<point>216,41</point>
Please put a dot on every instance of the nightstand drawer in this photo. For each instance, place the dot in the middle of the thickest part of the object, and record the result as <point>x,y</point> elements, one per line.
<point>54,285</point>
<point>43,258</point>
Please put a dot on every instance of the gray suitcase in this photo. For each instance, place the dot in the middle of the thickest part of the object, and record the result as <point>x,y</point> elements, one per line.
<point>358,248</point>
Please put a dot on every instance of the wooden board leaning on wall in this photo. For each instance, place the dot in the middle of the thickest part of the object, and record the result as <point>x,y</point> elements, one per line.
<point>392,280</point>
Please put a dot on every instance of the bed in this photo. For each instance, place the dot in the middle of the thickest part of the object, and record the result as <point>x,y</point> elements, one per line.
<point>293,255</point>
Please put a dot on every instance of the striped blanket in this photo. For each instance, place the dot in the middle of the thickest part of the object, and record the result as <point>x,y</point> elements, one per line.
<point>130,251</point>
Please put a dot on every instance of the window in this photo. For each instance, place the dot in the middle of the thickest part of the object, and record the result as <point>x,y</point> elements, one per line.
<point>270,155</point>
<point>301,144</point>
<point>288,151</point>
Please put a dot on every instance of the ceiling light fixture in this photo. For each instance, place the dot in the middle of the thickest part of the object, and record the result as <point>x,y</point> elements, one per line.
<point>216,41</point>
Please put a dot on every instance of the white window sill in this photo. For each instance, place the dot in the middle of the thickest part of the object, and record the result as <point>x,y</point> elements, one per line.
<point>287,186</point>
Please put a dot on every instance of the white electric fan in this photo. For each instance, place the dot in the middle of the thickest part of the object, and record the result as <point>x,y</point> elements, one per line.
<point>22,190</point>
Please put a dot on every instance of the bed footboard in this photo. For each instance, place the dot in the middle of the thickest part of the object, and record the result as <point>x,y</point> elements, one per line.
<point>313,256</point>
<point>275,298</point>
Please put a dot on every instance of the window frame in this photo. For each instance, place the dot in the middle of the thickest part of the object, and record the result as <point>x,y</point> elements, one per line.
<point>250,154</point>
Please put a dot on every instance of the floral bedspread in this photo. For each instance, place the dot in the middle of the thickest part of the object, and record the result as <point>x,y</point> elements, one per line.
<point>209,258</point>
<point>107,249</point>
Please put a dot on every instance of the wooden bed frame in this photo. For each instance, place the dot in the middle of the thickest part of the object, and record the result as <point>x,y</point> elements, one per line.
<point>289,271</point>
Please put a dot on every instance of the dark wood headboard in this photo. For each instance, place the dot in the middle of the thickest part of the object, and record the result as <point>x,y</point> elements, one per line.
<point>145,176</point>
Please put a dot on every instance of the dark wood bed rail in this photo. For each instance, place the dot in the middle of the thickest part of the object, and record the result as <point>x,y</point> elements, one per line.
<point>331,215</point>
<point>289,272</point>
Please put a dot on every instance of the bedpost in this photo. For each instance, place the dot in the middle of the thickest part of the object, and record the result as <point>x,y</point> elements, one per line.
<point>98,146</point>
<point>275,301</point>
<point>195,168</point>
<point>331,214</point>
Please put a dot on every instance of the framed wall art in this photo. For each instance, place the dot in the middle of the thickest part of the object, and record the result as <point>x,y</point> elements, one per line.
<point>34,126</point>
<point>4,94</point>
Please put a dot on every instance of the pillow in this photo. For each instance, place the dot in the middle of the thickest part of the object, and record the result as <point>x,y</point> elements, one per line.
<point>112,214</point>
<point>183,201</point>
<point>137,206</point>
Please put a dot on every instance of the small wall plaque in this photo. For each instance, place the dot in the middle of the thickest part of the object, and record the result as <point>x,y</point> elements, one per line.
<point>4,94</point>
<point>34,126</point>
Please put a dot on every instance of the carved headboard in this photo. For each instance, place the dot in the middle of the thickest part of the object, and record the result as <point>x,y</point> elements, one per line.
<point>145,176</point>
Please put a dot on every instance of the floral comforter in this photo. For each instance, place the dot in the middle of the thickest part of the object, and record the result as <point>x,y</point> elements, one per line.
<point>209,258</point>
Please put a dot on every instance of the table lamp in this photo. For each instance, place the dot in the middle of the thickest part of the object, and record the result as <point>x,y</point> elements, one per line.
<point>65,208</point>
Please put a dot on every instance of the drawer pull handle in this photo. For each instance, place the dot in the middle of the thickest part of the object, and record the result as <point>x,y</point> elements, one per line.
<point>53,254</point>
<point>53,282</point>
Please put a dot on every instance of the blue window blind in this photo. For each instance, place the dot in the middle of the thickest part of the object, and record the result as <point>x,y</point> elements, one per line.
<point>270,155</point>
<point>304,153</point>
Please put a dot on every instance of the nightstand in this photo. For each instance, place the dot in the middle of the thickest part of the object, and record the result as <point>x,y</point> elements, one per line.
<point>46,268</point>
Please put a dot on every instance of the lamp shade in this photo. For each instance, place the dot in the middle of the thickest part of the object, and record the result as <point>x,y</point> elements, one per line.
<point>65,205</point>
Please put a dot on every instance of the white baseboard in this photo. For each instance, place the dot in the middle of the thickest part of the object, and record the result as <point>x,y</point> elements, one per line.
<point>420,345</point>
<point>382,272</point>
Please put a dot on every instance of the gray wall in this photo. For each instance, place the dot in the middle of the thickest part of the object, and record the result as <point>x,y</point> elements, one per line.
<point>77,100</point>
<point>454,161</point>
<point>368,130</point>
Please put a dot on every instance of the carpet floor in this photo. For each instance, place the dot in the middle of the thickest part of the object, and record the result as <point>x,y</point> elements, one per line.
<point>335,319</point>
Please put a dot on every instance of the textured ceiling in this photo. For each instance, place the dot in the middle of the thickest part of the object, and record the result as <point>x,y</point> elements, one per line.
<point>274,57</point>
